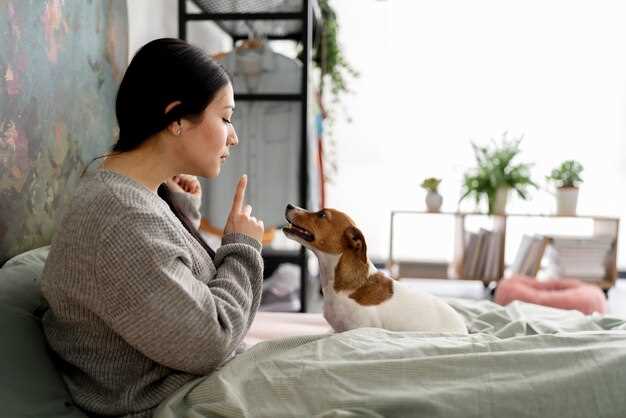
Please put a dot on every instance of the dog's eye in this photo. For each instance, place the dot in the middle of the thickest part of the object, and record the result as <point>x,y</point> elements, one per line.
<point>321,214</point>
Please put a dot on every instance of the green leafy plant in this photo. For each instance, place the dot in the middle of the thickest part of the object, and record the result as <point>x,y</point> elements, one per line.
<point>431,184</point>
<point>329,57</point>
<point>567,174</point>
<point>335,74</point>
<point>495,169</point>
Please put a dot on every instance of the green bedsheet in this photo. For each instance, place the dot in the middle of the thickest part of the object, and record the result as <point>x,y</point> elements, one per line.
<point>522,360</point>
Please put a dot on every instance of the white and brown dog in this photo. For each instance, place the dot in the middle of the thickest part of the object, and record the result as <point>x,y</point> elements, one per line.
<point>356,294</point>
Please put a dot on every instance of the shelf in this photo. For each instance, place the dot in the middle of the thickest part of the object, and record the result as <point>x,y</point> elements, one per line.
<point>273,19</point>
<point>297,20</point>
<point>282,256</point>
<point>503,224</point>
<point>270,97</point>
<point>510,215</point>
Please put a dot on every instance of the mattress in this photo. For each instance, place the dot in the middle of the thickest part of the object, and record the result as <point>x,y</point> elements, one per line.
<point>274,325</point>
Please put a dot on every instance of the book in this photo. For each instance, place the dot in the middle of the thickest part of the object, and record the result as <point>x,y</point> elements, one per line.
<point>473,266</point>
<point>584,258</point>
<point>529,255</point>
<point>572,243</point>
<point>495,252</point>
<point>486,274</point>
<point>483,238</point>
<point>522,254</point>
<point>469,254</point>
<point>535,255</point>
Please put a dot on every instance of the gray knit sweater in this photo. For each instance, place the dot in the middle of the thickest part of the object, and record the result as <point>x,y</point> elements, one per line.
<point>137,307</point>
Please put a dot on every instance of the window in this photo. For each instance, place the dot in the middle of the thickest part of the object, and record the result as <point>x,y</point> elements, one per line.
<point>437,74</point>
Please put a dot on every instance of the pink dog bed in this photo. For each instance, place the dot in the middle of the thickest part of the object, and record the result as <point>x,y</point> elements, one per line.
<point>557,293</point>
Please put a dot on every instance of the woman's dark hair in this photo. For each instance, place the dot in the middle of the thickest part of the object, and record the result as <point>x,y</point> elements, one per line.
<point>164,71</point>
<point>161,72</point>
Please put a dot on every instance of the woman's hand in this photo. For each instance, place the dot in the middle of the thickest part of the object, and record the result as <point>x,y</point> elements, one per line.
<point>239,219</point>
<point>185,183</point>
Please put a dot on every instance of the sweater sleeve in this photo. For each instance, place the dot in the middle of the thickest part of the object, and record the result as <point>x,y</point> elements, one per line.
<point>227,266</point>
<point>189,205</point>
<point>148,294</point>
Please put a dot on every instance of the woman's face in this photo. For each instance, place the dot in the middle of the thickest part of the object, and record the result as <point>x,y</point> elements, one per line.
<point>208,143</point>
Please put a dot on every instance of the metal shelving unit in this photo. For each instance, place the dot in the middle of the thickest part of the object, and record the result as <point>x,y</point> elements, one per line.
<point>298,26</point>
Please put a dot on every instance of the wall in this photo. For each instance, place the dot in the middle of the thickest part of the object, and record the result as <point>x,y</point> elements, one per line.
<point>151,19</point>
<point>49,51</point>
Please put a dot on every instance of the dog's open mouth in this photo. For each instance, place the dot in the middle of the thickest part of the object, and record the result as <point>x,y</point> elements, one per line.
<point>294,229</point>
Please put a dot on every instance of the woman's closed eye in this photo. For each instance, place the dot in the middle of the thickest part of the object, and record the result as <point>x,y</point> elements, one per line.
<point>226,121</point>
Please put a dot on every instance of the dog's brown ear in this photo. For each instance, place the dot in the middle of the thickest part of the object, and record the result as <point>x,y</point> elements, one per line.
<point>355,240</point>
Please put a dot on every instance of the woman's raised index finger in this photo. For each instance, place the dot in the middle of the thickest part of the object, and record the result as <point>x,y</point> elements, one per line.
<point>239,193</point>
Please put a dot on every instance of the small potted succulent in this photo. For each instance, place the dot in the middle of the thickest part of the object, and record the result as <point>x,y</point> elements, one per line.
<point>566,178</point>
<point>495,175</point>
<point>433,198</point>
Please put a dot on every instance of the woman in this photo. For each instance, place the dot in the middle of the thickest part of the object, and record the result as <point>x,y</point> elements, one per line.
<point>139,303</point>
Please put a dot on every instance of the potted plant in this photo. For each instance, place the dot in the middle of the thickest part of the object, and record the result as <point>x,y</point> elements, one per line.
<point>566,178</point>
<point>496,175</point>
<point>433,198</point>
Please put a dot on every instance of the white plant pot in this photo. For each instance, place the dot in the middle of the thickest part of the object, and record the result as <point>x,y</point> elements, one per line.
<point>433,201</point>
<point>502,198</point>
<point>566,201</point>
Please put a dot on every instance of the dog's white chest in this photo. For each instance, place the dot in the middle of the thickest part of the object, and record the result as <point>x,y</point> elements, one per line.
<point>344,313</point>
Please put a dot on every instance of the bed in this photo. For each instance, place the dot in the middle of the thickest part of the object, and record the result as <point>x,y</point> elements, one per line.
<point>520,360</point>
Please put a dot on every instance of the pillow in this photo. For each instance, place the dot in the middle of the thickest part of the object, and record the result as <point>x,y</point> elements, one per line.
<point>19,280</point>
<point>556,293</point>
<point>31,385</point>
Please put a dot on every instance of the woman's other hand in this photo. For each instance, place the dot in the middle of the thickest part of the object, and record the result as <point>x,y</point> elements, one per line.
<point>185,183</point>
<point>239,219</point>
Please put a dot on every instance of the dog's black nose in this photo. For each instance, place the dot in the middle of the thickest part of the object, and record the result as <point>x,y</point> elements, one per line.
<point>287,209</point>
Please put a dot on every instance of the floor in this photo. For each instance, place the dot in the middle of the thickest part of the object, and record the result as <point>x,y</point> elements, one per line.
<point>472,290</point>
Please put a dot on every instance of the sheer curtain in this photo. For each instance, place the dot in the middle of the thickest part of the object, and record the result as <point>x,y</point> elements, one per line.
<point>439,74</point>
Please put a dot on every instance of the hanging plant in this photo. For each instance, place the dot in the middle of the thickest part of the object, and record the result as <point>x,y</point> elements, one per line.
<point>335,73</point>
<point>329,57</point>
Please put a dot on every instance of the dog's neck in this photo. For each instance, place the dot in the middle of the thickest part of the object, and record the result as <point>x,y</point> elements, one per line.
<point>343,272</point>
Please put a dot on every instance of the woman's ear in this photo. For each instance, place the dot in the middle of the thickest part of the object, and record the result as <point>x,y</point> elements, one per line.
<point>175,127</point>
